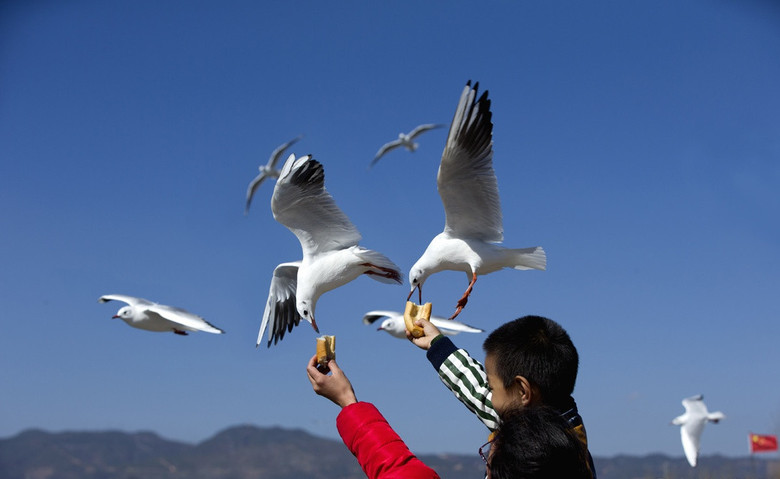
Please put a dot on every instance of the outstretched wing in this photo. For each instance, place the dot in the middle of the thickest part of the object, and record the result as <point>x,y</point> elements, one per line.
<point>452,325</point>
<point>301,203</point>
<point>131,300</point>
<point>276,155</point>
<point>372,316</point>
<point>280,314</point>
<point>185,318</point>
<point>423,128</point>
<point>466,180</point>
<point>253,186</point>
<point>384,149</point>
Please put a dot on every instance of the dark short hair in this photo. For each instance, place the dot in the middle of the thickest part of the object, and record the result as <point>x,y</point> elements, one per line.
<point>537,443</point>
<point>538,349</point>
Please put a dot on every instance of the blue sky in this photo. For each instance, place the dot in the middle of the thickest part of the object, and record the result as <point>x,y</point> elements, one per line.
<point>637,142</point>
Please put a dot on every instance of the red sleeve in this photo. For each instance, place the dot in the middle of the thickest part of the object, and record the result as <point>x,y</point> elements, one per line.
<point>379,450</point>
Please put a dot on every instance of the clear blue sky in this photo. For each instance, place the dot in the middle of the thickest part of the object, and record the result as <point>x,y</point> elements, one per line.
<point>637,142</point>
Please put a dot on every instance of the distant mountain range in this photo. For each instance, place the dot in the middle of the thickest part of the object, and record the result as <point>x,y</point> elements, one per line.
<point>245,452</point>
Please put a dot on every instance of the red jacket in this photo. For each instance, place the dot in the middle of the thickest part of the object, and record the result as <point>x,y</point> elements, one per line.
<point>379,450</point>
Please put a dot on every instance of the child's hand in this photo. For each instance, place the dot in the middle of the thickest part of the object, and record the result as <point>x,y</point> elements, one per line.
<point>334,386</point>
<point>429,332</point>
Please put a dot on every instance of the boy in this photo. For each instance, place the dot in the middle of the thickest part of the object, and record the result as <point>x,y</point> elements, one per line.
<point>530,361</point>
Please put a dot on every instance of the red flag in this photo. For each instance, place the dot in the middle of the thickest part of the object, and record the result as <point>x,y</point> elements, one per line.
<point>763,442</point>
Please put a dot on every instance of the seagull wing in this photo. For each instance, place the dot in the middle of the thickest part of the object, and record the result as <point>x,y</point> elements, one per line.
<point>301,203</point>
<point>695,406</point>
<point>373,316</point>
<point>280,314</point>
<point>253,186</point>
<point>185,318</point>
<point>384,149</point>
<point>423,128</point>
<point>131,300</point>
<point>453,325</point>
<point>466,180</point>
<point>276,155</point>
<point>690,433</point>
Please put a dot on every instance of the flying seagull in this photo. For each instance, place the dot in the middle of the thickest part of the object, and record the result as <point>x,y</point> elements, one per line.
<point>393,324</point>
<point>692,422</point>
<point>144,314</point>
<point>404,139</point>
<point>331,255</point>
<point>269,170</point>
<point>469,190</point>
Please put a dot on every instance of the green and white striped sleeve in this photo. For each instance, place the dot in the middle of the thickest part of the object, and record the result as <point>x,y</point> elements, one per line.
<point>465,377</point>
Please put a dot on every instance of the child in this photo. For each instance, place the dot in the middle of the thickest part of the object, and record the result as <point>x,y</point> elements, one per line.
<point>530,361</point>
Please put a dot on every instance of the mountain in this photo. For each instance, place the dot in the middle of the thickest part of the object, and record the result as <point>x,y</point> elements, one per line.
<point>244,452</point>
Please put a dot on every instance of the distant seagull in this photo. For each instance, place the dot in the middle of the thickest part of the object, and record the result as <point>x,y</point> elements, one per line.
<point>393,324</point>
<point>469,190</point>
<point>268,170</point>
<point>331,255</point>
<point>143,314</point>
<point>405,140</point>
<point>692,422</point>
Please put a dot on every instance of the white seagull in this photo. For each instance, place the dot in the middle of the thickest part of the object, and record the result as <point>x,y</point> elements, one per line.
<point>393,324</point>
<point>269,170</point>
<point>404,139</point>
<point>469,190</point>
<point>331,255</point>
<point>692,422</point>
<point>144,314</point>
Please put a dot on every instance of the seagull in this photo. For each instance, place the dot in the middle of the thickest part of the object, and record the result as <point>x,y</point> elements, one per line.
<point>469,190</point>
<point>269,170</point>
<point>393,324</point>
<point>144,314</point>
<point>692,422</point>
<point>404,139</point>
<point>331,255</point>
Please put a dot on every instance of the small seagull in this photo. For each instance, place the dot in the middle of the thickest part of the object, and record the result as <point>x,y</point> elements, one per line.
<point>268,170</point>
<point>331,255</point>
<point>405,140</point>
<point>692,422</point>
<point>469,190</point>
<point>144,314</point>
<point>393,324</point>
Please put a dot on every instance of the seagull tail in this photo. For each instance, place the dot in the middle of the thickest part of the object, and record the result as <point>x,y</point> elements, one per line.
<point>529,258</point>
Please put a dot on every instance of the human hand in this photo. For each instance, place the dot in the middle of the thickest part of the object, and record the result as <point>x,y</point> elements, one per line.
<point>334,386</point>
<point>429,332</point>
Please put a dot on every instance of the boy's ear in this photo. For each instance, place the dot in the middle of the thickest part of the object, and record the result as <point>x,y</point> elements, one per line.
<point>527,394</point>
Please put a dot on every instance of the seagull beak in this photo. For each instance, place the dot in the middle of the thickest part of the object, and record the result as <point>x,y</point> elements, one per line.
<point>314,324</point>
<point>379,328</point>
<point>115,316</point>
<point>419,289</point>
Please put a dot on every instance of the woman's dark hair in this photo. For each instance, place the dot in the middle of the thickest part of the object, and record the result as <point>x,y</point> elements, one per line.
<point>537,443</point>
<point>538,349</point>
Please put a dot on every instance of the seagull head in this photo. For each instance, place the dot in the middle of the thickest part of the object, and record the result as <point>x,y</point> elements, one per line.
<point>126,313</point>
<point>305,308</point>
<point>394,327</point>
<point>417,276</point>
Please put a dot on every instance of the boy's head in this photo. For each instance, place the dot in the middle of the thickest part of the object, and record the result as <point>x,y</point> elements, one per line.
<point>530,360</point>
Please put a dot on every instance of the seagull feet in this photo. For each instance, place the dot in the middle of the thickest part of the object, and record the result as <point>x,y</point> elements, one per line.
<point>180,332</point>
<point>461,304</point>
<point>384,272</point>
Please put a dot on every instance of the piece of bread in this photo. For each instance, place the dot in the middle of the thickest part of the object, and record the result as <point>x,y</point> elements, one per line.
<point>326,349</point>
<point>415,311</point>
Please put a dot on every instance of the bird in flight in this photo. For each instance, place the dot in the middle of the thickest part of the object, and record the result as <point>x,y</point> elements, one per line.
<point>404,139</point>
<point>469,191</point>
